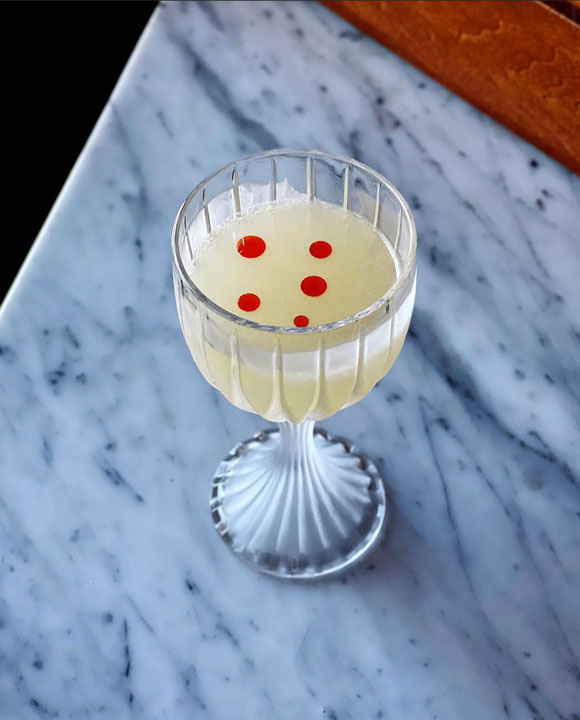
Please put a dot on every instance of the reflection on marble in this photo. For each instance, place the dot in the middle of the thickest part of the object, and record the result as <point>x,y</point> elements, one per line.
<point>117,599</point>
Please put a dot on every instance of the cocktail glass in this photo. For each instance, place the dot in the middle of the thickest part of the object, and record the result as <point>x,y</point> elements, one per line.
<point>296,501</point>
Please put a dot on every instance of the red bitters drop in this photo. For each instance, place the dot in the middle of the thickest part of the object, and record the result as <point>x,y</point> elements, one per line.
<point>313,286</point>
<point>320,249</point>
<point>251,246</point>
<point>248,302</point>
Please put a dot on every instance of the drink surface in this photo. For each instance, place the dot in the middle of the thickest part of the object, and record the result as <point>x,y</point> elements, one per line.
<point>294,264</point>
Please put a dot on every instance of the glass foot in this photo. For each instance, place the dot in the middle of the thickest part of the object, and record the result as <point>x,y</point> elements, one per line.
<point>297,502</point>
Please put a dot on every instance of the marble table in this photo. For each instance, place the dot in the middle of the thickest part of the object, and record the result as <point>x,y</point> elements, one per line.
<point>117,598</point>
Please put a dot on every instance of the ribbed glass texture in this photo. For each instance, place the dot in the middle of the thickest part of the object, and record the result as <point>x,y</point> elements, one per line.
<point>295,374</point>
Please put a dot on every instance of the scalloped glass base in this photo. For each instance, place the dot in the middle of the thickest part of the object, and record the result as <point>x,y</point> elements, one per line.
<point>298,504</point>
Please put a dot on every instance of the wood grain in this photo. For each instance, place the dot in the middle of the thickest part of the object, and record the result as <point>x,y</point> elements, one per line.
<point>517,61</point>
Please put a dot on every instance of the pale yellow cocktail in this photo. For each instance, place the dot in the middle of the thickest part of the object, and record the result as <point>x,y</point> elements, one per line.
<point>295,264</point>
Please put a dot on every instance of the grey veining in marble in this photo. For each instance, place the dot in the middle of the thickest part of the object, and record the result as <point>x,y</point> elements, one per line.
<point>117,599</point>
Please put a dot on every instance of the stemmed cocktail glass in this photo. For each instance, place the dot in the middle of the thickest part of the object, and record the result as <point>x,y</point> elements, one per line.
<point>295,501</point>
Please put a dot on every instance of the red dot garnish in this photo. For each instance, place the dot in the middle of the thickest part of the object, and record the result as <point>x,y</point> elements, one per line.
<point>248,302</point>
<point>301,321</point>
<point>313,285</point>
<point>251,246</point>
<point>320,249</point>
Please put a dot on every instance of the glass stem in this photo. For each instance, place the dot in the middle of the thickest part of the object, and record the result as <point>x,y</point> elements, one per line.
<point>297,442</point>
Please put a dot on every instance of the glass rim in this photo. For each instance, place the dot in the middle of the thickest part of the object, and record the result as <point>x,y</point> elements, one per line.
<point>392,293</point>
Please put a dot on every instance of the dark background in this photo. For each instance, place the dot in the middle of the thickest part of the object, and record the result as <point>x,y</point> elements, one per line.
<point>60,62</point>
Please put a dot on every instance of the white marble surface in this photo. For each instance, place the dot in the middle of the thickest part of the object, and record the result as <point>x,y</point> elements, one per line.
<point>117,598</point>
